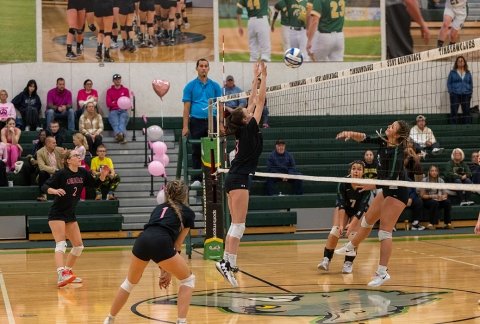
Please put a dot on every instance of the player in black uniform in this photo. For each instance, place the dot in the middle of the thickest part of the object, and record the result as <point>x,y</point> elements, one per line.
<point>160,241</point>
<point>103,10</point>
<point>66,185</point>
<point>126,13</point>
<point>243,123</point>
<point>388,204</point>
<point>352,203</point>
<point>75,20</point>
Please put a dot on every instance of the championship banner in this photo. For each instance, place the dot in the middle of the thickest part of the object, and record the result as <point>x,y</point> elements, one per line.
<point>212,202</point>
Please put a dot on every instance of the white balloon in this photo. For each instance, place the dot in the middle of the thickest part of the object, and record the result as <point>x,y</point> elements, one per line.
<point>154,133</point>
<point>161,197</point>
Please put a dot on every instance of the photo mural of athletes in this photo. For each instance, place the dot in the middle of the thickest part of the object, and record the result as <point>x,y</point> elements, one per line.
<point>359,23</point>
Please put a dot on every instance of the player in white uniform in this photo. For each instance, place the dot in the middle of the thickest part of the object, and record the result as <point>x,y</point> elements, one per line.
<point>258,28</point>
<point>453,18</point>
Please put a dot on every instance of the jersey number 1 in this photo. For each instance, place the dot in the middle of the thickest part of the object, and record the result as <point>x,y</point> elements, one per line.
<point>163,212</point>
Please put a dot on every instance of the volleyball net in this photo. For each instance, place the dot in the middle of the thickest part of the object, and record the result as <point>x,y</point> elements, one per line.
<point>308,113</point>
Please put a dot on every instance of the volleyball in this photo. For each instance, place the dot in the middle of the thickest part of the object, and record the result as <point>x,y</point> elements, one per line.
<point>293,57</point>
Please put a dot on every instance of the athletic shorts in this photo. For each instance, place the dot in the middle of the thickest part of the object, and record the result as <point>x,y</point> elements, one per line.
<point>89,4</point>
<point>147,5</point>
<point>154,244</point>
<point>235,181</point>
<point>103,8</point>
<point>126,7</point>
<point>399,193</point>
<point>66,219</point>
<point>76,4</point>
<point>167,4</point>
<point>116,3</point>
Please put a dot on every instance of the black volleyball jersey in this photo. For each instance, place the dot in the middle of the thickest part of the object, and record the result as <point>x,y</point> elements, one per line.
<point>164,216</point>
<point>248,147</point>
<point>389,159</point>
<point>352,200</point>
<point>73,184</point>
<point>370,170</point>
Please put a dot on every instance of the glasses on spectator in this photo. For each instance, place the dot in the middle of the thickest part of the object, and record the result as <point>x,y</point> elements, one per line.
<point>101,151</point>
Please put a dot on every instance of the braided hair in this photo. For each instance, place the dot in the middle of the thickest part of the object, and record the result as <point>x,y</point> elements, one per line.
<point>403,133</point>
<point>176,194</point>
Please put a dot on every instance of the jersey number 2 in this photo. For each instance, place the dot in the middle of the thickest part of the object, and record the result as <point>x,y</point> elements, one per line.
<point>335,13</point>
<point>253,4</point>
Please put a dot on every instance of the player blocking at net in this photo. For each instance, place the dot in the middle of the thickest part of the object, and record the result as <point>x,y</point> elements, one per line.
<point>352,202</point>
<point>389,203</point>
<point>243,124</point>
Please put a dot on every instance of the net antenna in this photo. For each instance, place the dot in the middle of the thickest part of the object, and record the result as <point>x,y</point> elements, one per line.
<point>401,88</point>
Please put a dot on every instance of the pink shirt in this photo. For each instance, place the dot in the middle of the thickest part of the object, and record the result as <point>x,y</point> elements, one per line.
<point>83,96</point>
<point>7,110</point>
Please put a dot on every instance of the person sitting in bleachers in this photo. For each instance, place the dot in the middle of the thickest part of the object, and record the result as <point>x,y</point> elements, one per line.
<point>58,132</point>
<point>423,139</point>
<point>50,160</point>
<point>10,135</point>
<point>415,204</point>
<point>29,105</point>
<point>474,161</point>
<point>109,186</point>
<point>457,171</point>
<point>281,161</point>
<point>31,163</point>
<point>371,165</point>
<point>91,126</point>
<point>475,168</point>
<point>7,110</point>
<point>3,165</point>
<point>436,199</point>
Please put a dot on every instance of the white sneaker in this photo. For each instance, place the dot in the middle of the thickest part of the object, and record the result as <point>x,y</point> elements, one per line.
<point>109,320</point>
<point>418,227</point>
<point>224,269</point>
<point>77,280</point>
<point>422,154</point>
<point>347,267</point>
<point>378,280</point>
<point>27,128</point>
<point>196,183</point>
<point>437,150</point>
<point>346,250</point>
<point>324,264</point>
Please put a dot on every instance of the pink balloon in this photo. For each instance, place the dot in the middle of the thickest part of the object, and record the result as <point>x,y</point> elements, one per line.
<point>160,87</point>
<point>162,158</point>
<point>156,168</point>
<point>159,148</point>
<point>124,103</point>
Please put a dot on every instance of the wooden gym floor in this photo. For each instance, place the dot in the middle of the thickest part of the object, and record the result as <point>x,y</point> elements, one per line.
<point>201,25</point>
<point>434,280</point>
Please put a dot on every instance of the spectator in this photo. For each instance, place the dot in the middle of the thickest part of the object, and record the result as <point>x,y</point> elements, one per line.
<point>423,139</point>
<point>435,199</point>
<point>59,105</point>
<point>29,105</point>
<point>3,165</point>
<point>411,162</point>
<point>113,179</point>
<point>31,159</point>
<point>84,96</point>
<point>11,138</point>
<point>7,109</point>
<point>281,161</point>
<point>460,88</point>
<point>415,204</point>
<point>58,132</point>
<point>475,168</point>
<point>474,161</point>
<point>117,117</point>
<point>50,160</point>
<point>371,165</point>
<point>195,113</point>
<point>231,88</point>
<point>91,126</point>
<point>457,171</point>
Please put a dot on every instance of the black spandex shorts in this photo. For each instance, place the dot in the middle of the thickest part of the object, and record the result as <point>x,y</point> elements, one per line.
<point>154,244</point>
<point>400,193</point>
<point>167,4</point>
<point>237,181</point>
<point>126,7</point>
<point>89,4</point>
<point>147,5</point>
<point>66,219</point>
<point>76,4</point>
<point>103,8</point>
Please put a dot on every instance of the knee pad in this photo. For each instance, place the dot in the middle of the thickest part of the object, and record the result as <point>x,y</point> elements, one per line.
<point>384,235</point>
<point>108,34</point>
<point>189,282</point>
<point>335,231</point>
<point>351,235</point>
<point>61,246</point>
<point>364,223</point>
<point>177,15</point>
<point>127,286</point>
<point>77,250</point>
<point>143,22</point>
<point>128,28</point>
<point>149,25</point>
<point>114,25</point>
<point>72,31</point>
<point>123,28</point>
<point>171,19</point>
<point>236,230</point>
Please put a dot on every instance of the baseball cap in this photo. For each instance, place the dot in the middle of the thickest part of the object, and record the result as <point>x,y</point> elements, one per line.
<point>229,78</point>
<point>280,141</point>
<point>420,117</point>
<point>116,76</point>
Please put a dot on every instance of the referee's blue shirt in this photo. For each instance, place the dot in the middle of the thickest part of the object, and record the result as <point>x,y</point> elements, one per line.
<point>197,93</point>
